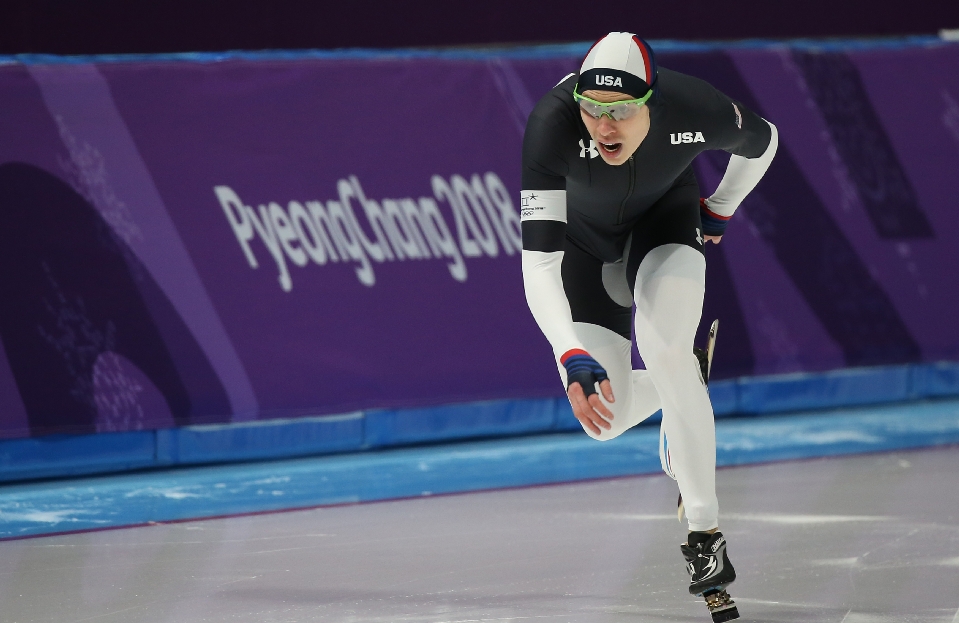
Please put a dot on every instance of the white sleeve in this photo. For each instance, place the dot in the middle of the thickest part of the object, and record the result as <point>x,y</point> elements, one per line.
<point>542,274</point>
<point>741,177</point>
<point>543,282</point>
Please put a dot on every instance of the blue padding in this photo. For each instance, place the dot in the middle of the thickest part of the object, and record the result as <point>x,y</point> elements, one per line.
<point>847,431</point>
<point>565,420</point>
<point>57,455</point>
<point>725,397</point>
<point>479,419</point>
<point>936,379</point>
<point>837,388</point>
<point>263,440</point>
<point>223,490</point>
<point>91,503</point>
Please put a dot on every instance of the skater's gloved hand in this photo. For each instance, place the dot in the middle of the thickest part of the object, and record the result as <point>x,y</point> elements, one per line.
<point>714,225</point>
<point>582,374</point>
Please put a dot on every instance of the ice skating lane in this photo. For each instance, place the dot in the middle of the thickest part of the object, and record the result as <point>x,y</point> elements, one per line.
<point>847,540</point>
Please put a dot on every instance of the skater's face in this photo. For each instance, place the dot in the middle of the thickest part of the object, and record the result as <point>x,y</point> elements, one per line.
<point>615,140</point>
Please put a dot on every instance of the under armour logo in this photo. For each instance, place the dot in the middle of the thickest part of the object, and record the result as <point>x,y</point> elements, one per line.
<point>699,237</point>
<point>583,149</point>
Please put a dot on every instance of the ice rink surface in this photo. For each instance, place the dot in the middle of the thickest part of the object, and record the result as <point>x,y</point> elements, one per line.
<point>858,539</point>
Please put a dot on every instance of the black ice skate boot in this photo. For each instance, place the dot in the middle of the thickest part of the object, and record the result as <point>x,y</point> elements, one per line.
<point>710,572</point>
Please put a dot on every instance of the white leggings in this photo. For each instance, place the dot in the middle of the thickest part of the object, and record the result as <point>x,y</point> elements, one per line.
<point>670,283</point>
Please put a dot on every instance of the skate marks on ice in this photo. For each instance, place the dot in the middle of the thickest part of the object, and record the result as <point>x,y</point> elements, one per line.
<point>762,518</point>
<point>868,539</point>
<point>765,611</point>
<point>893,561</point>
<point>891,555</point>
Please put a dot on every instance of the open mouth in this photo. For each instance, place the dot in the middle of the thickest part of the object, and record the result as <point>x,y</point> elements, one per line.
<point>611,148</point>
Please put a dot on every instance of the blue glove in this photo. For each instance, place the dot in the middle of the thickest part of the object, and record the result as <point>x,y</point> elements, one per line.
<point>582,369</point>
<point>713,224</point>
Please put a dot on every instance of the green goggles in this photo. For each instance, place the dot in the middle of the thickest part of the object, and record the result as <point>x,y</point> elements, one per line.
<point>619,111</point>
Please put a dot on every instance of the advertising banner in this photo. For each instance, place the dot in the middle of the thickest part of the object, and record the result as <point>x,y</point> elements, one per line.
<point>198,242</point>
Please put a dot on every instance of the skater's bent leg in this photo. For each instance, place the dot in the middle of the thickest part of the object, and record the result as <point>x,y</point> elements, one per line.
<point>670,284</point>
<point>635,395</point>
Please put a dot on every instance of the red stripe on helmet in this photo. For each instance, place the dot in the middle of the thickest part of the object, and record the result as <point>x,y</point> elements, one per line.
<point>646,61</point>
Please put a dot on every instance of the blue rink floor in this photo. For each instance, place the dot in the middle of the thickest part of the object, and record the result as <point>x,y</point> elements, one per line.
<point>33,509</point>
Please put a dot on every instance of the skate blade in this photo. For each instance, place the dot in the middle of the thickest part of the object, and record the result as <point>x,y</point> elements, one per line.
<point>711,347</point>
<point>721,606</point>
<point>728,614</point>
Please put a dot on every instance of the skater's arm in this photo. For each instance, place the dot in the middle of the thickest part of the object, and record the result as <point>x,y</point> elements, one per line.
<point>544,234</point>
<point>752,142</point>
<point>543,223</point>
<point>543,215</point>
<point>742,175</point>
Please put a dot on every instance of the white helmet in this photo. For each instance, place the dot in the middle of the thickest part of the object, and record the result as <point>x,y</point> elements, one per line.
<point>620,62</point>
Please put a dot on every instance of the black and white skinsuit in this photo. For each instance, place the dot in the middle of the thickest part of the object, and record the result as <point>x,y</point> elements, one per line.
<point>598,238</point>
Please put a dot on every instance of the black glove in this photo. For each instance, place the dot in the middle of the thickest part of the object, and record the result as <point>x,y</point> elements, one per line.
<point>713,224</point>
<point>582,369</point>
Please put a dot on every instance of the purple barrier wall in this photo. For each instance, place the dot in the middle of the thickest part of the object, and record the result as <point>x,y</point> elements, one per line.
<point>189,242</point>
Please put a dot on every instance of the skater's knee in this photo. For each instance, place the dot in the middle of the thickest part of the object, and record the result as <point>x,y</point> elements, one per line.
<point>670,359</point>
<point>604,434</point>
<point>627,413</point>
